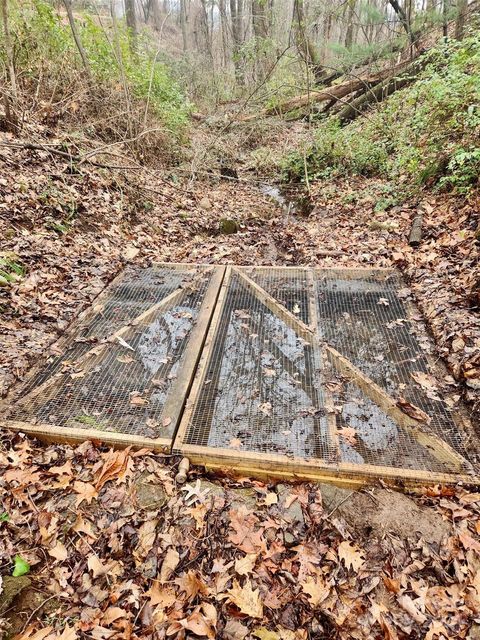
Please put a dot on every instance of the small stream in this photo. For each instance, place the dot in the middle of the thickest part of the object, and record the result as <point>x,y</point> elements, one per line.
<point>292,203</point>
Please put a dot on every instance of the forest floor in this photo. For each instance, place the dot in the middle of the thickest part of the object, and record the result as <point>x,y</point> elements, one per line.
<point>116,548</point>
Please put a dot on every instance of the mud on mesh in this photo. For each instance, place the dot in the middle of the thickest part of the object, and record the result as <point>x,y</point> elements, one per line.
<point>120,384</point>
<point>267,389</point>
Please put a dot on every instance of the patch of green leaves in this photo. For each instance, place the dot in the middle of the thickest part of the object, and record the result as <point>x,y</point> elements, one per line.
<point>427,133</point>
<point>11,270</point>
<point>21,567</point>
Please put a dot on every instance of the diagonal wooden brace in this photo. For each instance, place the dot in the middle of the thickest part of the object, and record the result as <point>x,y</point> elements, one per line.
<point>440,449</point>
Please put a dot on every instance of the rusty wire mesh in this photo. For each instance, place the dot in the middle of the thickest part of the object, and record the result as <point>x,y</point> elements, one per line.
<point>122,388</point>
<point>267,390</point>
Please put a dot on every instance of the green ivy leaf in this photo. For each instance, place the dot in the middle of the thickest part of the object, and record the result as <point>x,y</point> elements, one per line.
<point>21,567</point>
<point>4,517</point>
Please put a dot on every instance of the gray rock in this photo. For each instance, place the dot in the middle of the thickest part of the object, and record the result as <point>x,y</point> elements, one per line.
<point>246,496</point>
<point>381,511</point>
<point>214,490</point>
<point>205,204</point>
<point>293,513</point>
<point>150,495</point>
<point>290,539</point>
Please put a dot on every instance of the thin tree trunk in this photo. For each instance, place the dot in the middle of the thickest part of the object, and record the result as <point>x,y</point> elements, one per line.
<point>76,37</point>
<point>400,11</point>
<point>462,8</point>
<point>349,19</point>
<point>224,29</point>
<point>131,19</point>
<point>207,31</point>
<point>261,22</point>
<point>304,44</point>
<point>183,24</point>
<point>10,102</point>
<point>445,18</point>
<point>236,12</point>
<point>157,18</point>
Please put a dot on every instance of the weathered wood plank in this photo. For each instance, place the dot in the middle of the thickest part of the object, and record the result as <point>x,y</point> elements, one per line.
<point>178,393</point>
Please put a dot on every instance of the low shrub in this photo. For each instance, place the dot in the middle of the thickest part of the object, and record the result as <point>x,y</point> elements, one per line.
<point>427,133</point>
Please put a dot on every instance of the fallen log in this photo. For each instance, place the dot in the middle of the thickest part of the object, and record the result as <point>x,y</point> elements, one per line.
<point>334,93</point>
<point>416,231</point>
<point>374,95</point>
<point>381,91</point>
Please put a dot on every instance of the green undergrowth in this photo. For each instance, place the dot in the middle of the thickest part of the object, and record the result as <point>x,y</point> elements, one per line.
<point>426,134</point>
<point>125,80</point>
<point>11,270</point>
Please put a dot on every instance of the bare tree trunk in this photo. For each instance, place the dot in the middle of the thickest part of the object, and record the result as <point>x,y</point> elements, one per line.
<point>304,44</point>
<point>462,8</point>
<point>10,102</point>
<point>157,17</point>
<point>445,18</point>
<point>224,29</point>
<point>76,37</point>
<point>349,19</point>
<point>236,12</point>
<point>131,19</point>
<point>261,22</point>
<point>403,17</point>
<point>183,24</point>
<point>207,32</point>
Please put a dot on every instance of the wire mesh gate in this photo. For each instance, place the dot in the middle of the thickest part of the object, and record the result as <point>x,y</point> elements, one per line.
<point>123,371</point>
<point>308,373</point>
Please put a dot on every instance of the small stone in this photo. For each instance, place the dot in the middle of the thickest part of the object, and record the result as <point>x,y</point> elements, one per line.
<point>150,496</point>
<point>246,496</point>
<point>293,513</point>
<point>130,252</point>
<point>228,226</point>
<point>205,204</point>
<point>149,567</point>
<point>290,539</point>
<point>214,490</point>
<point>474,632</point>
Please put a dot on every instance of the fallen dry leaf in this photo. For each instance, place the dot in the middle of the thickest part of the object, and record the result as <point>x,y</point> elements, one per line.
<point>352,556</point>
<point>115,467</point>
<point>348,434</point>
<point>414,412</point>
<point>244,566</point>
<point>246,599</point>
<point>59,551</point>
<point>316,589</point>
<point>85,490</point>
<point>169,564</point>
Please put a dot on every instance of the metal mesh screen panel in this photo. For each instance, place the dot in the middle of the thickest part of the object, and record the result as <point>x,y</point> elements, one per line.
<point>123,387</point>
<point>265,389</point>
<point>261,390</point>
<point>366,320</point>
